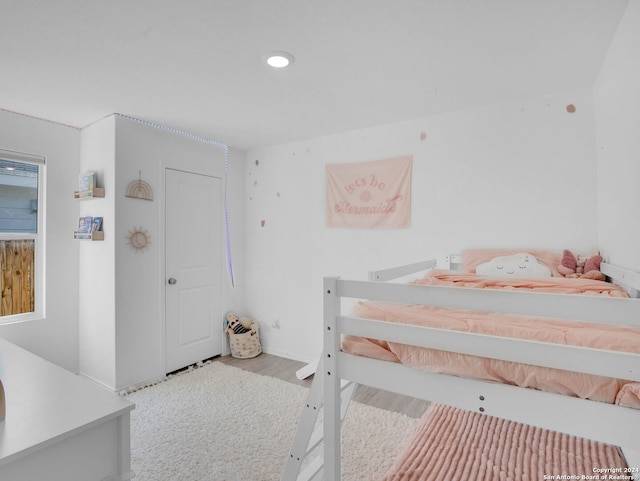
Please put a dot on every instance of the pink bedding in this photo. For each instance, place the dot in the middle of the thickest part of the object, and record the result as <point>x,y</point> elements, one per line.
<point>450,443</point>
<point>558,285</point>
<point>603,336</point>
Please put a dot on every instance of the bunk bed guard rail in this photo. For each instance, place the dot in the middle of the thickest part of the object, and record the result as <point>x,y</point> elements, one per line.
<point>594,420</point>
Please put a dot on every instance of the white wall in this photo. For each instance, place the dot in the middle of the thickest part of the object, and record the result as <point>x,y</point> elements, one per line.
<point>54,338</point>
<point>141,276</point>
<point>617,100</point>
<point>521,174</point>
<point>128,333</point>
<point>97,331</point>
<point>105,281</point>
<point>528,164</point>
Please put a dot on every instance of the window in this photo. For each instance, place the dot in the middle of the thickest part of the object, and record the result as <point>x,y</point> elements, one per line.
<point>21,236</point>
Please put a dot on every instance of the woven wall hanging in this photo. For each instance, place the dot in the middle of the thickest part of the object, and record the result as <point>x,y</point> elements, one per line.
<point>139,189</point>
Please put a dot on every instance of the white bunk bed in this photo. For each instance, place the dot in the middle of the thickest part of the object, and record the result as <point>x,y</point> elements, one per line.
<point>608,423</point>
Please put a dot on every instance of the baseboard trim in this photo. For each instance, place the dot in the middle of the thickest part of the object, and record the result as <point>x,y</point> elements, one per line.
<point>288,355</point>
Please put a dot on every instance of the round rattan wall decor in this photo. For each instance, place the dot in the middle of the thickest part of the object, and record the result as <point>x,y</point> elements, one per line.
<point>139,239</point>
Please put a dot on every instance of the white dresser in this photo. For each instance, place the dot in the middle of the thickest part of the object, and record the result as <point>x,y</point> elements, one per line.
<point>59,426</point>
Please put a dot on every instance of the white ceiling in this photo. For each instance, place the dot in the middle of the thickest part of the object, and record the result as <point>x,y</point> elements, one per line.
<point>196,65</point>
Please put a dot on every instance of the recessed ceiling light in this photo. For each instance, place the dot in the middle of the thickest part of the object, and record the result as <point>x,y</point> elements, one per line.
<point>279,59</point>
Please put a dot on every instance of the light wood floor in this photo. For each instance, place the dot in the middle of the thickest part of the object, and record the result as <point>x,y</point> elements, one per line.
<point>285,369</point>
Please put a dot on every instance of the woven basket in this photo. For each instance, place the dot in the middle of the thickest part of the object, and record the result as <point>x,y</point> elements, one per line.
<point>247,344</point>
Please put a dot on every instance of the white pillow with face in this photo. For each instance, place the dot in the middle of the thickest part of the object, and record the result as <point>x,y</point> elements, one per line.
<point>517,265</point>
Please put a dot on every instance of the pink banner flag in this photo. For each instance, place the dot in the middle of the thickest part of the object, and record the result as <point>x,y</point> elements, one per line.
<point>370,195</point>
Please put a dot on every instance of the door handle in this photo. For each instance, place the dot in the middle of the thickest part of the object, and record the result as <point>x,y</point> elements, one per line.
<point>172,281</point>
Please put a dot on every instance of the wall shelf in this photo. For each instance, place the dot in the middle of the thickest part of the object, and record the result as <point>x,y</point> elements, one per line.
<point>89,194</point>
<point>88,180</point>
<point>93,236</point>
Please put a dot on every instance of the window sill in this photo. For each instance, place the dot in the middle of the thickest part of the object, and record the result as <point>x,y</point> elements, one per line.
<point>19,318</point>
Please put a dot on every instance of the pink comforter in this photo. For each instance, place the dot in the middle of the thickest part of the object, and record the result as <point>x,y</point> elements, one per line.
<point>602,336</point>
<point>450,443</point>
<point>558,285</point>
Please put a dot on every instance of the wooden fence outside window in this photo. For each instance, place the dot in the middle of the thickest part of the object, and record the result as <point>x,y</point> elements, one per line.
<point>16,276</point>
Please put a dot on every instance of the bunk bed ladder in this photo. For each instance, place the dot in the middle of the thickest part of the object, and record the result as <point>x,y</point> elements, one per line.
<point>300,466</point>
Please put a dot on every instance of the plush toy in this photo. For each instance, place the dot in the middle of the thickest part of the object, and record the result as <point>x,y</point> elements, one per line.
<point>592,268</point>
<point>249,325</point>
<point>568,264</point>
<point>236,324</point>
<point>581,266</point>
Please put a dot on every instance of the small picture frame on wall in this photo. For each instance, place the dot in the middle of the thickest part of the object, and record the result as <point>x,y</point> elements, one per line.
<point>96,225</point>
<point>86,182</point>
<point>85,225</point>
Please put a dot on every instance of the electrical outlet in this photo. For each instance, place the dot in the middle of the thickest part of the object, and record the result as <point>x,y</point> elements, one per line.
<point>276,324</point>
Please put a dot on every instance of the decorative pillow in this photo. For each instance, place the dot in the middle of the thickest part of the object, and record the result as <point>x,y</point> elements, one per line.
<point>518,265</point>
<point>472,258</point>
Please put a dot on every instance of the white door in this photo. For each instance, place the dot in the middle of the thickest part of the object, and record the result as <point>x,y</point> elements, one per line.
<point>193,239</point>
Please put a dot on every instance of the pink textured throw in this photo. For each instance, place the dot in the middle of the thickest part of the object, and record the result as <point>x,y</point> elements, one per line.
<point>453,444</point>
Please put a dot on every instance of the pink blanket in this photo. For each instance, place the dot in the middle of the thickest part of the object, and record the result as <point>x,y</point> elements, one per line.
<point>558,285</point>
<point>602,336</point>
<point>451,444</point>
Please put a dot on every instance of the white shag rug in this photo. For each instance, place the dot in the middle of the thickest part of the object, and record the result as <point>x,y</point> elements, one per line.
<point>220,423</point>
